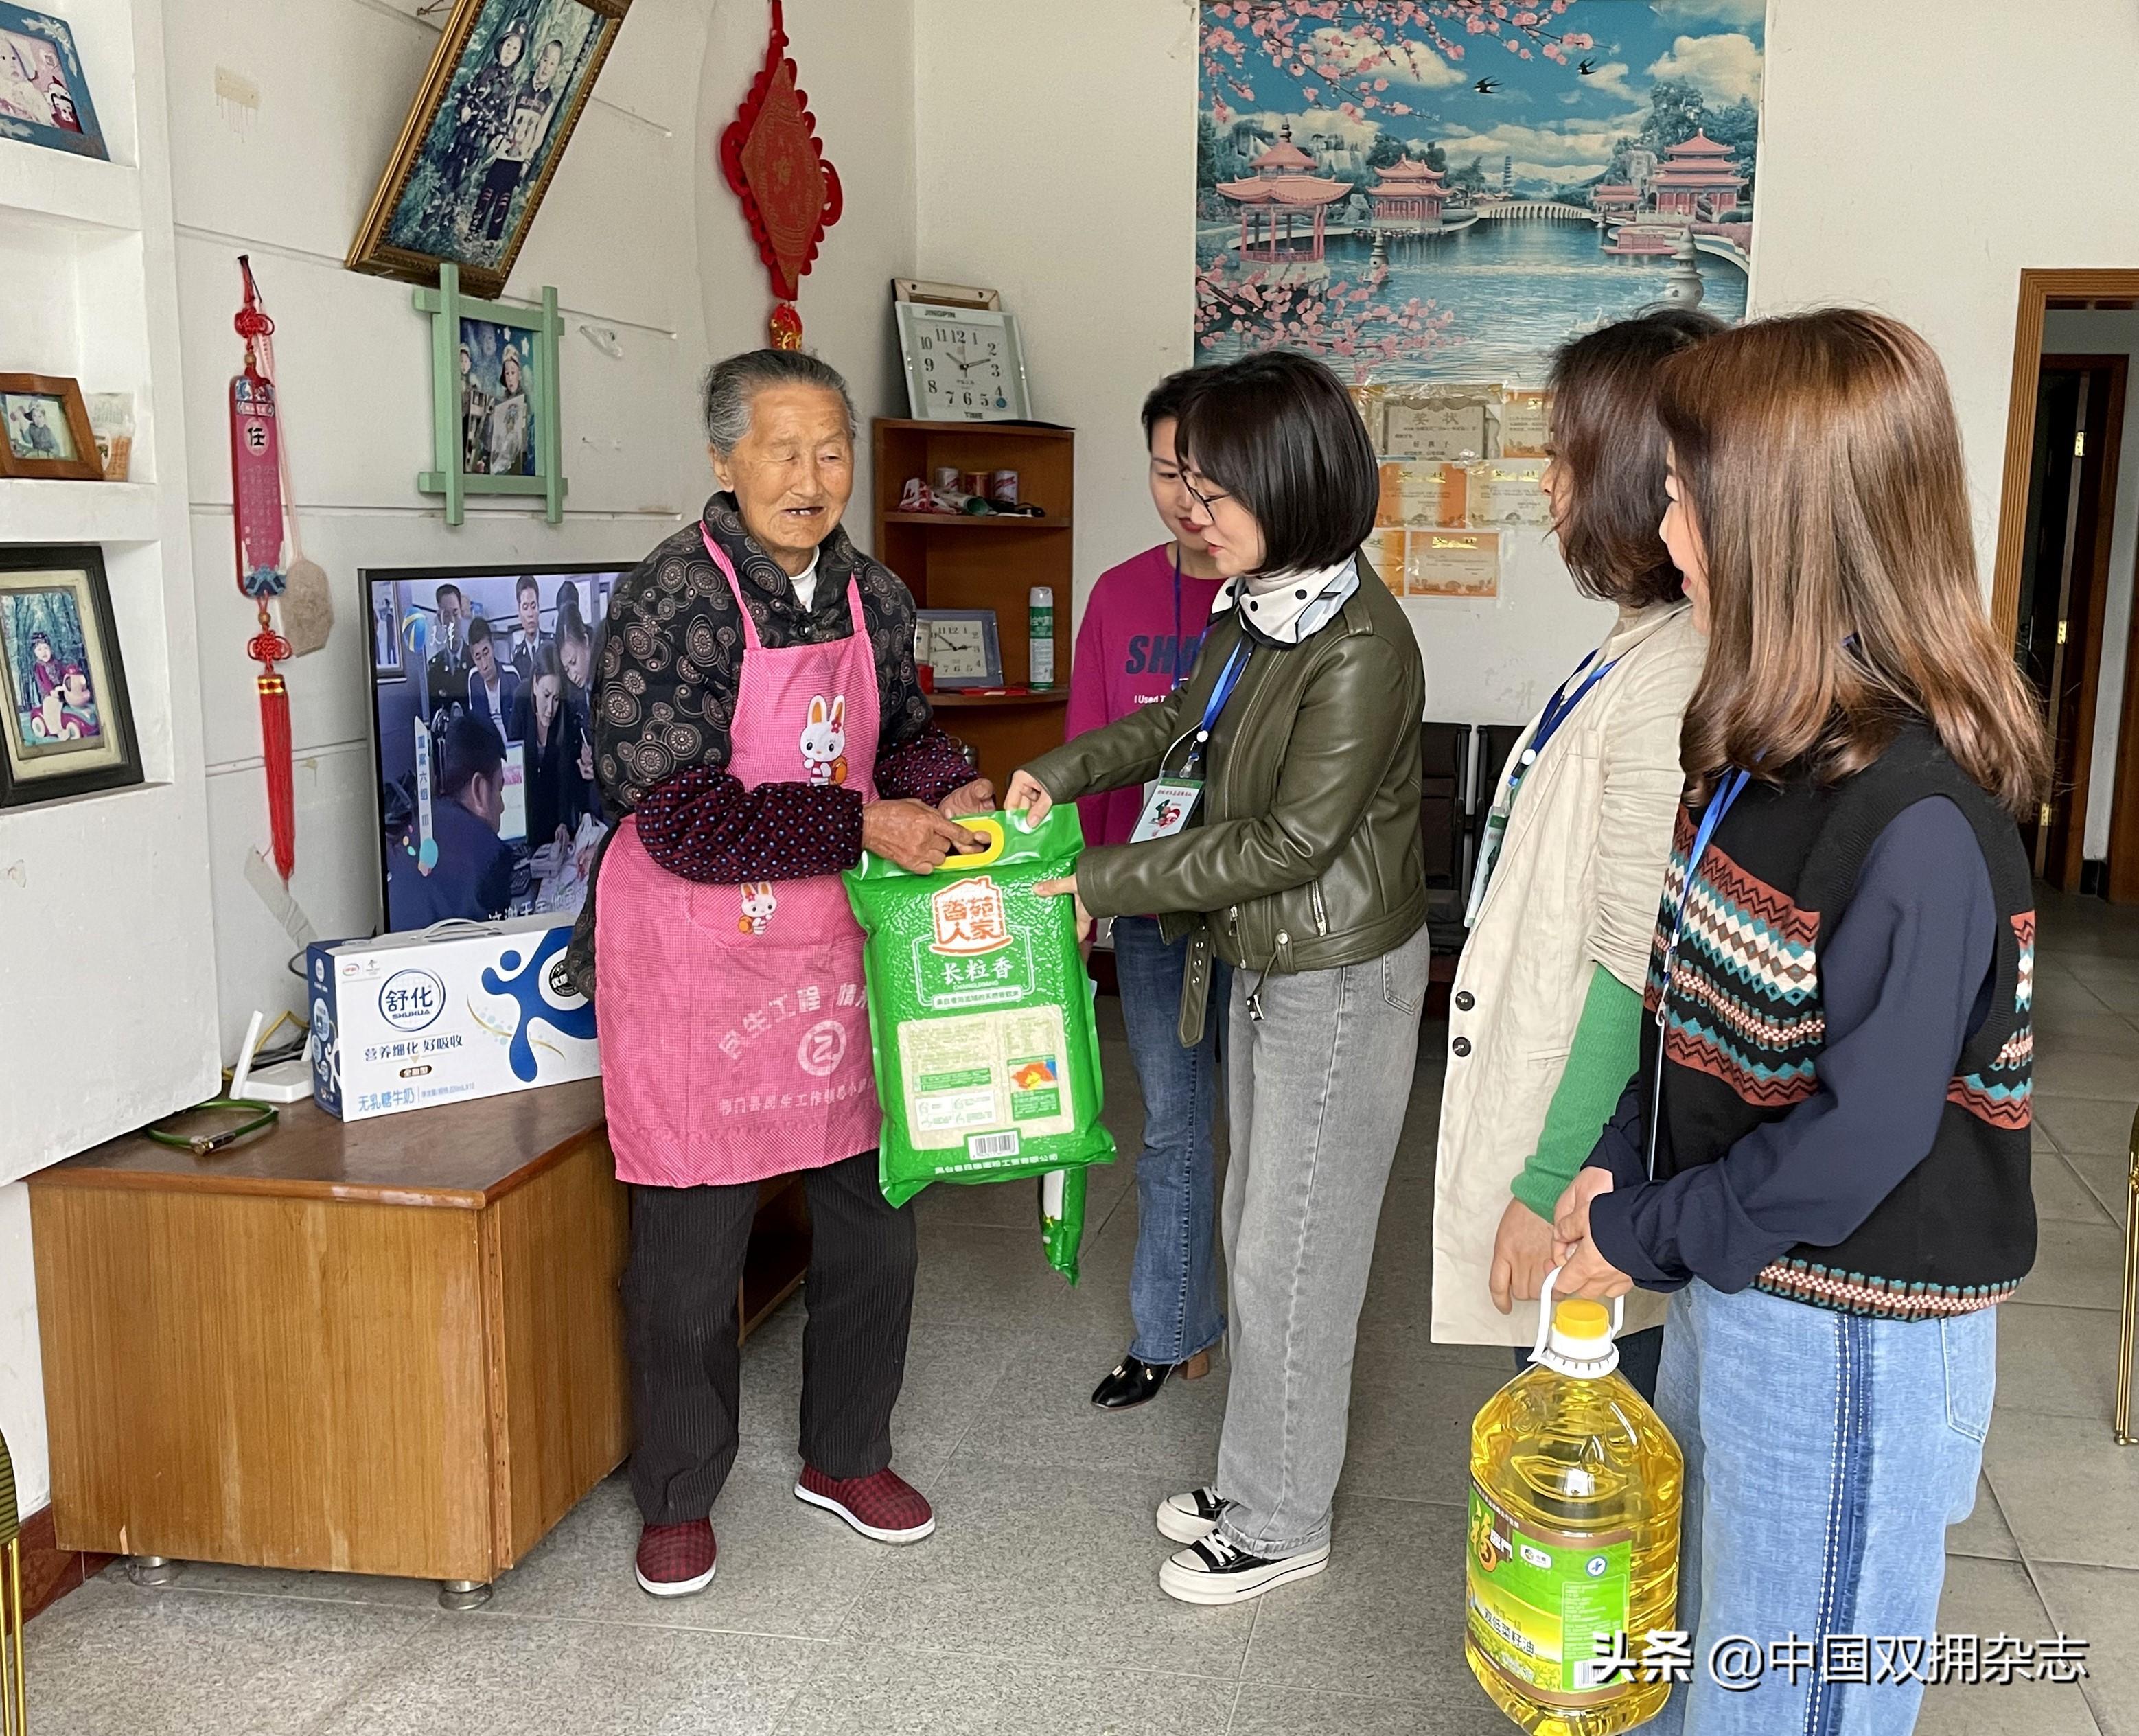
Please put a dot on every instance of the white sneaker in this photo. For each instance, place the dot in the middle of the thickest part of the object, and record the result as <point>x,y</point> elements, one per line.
<point>1188,1518</point>
<point>1214,1571</point>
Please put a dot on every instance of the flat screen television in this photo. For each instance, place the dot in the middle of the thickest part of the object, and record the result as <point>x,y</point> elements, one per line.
<point>482,740</point>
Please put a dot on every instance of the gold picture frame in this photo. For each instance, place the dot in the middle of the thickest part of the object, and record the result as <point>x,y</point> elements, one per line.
<point>489,125</point>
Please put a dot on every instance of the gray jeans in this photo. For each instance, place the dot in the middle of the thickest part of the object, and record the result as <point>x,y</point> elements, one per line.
<point>1317,1091</point>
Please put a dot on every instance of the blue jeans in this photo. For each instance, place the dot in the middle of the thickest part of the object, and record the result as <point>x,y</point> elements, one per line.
<point>1826,1453</point>
<point>1173,1285</point>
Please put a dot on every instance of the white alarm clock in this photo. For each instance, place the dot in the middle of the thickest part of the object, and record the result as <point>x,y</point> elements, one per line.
<point>963,364</point>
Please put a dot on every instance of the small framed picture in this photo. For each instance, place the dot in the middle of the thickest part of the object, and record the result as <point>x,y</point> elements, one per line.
<point>960,647</point>
<point>48,432</point>
<point>494,425</point>
<point>44,99</point>
<point>68,729</point>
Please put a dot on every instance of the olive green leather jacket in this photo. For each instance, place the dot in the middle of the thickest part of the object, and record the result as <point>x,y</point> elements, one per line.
<point>1304,854</point>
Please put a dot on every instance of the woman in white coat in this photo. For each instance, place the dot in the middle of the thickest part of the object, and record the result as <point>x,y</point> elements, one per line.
<point>1544,1019</point>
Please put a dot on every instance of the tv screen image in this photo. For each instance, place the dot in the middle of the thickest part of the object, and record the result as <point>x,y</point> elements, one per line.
<point>482,738</point>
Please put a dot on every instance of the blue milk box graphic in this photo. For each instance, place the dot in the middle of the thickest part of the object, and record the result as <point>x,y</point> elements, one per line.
<point>465,1011</point>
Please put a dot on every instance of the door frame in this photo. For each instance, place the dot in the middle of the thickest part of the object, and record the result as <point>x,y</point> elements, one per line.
<point>2065,872</point>
<point>2037,289</point>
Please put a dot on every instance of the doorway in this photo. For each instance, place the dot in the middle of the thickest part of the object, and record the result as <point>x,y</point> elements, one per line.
<point>2061,596</point>
<point>2064,570</point>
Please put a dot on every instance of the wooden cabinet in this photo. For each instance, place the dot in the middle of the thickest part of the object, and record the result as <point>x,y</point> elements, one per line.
<point>950,561</point>
<point>395,1346</point>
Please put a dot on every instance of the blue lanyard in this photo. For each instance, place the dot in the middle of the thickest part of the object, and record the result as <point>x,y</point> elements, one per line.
<point>1557,710</point>
<point>1719,804</point>
<point>1228,678</point>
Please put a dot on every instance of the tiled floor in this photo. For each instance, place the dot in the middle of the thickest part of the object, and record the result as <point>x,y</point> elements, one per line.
<point>1035,1607</point>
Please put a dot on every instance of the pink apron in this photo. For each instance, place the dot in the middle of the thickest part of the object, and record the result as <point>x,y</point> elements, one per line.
<point>735,1038</point>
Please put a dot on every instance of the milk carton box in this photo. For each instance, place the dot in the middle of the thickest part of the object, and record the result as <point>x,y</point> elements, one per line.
<point>464,1009</point>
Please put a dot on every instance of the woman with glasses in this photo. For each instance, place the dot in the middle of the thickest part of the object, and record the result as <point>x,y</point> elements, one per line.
<point>1279,834</point>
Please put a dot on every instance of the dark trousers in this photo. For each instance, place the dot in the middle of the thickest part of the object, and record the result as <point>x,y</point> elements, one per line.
<point>679,1301</point>
<point>1640,1355</point>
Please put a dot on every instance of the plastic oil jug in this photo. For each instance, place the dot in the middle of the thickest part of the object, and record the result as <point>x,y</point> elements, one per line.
<point>1575,1485</point>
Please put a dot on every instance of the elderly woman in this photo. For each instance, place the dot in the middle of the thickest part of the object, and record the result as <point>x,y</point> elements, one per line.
<point>728,967</point>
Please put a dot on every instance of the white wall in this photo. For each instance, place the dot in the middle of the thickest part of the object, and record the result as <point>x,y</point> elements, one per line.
<point>2104,333</point>
<point>288,183</point>
<point>1870,191</point>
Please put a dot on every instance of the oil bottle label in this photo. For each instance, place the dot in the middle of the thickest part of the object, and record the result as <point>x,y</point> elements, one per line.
<point>1538,1602</point>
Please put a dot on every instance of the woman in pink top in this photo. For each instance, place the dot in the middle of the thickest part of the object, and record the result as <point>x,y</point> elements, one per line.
<point>1143,624</point>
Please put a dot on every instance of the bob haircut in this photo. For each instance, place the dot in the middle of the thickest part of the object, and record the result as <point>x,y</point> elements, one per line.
<point>1607,438</point>
<point>1820,457</point>
<point>1277,432</point>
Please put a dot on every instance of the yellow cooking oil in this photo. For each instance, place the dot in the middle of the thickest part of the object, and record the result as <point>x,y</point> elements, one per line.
<point>1574,1519</point>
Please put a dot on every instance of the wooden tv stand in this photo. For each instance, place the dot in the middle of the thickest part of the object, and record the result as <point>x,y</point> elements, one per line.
<point>392,1346</point>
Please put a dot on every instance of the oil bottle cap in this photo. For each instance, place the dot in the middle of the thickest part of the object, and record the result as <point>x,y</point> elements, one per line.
<point>1579,1318</point>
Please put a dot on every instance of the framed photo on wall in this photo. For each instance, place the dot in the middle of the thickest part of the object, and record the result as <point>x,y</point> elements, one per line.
<point>44,98</point>
<point>489,126</point>
<point>68,729</point>
<point>494,400</point>
<point>48,431</point>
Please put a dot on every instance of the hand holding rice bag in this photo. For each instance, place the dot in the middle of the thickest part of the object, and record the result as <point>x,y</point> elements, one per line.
<point>987,1057</point>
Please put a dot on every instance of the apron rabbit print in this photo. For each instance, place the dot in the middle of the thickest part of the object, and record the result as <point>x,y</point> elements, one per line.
<point>825,740</point>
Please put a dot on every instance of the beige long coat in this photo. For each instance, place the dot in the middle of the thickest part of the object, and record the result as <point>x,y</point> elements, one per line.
<point>1576,884</point>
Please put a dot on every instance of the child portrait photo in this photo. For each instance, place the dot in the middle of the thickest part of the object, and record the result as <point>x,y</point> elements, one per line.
<point>490,123</point>
<point>497,400</point>
<point>37,427</point>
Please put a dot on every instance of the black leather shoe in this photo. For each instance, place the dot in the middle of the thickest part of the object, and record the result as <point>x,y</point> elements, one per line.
<point>1132,1382</point>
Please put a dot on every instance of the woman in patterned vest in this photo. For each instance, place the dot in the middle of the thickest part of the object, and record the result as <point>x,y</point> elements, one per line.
<point>1825,1157</point>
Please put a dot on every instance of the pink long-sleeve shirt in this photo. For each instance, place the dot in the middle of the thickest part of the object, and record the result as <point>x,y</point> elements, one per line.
<point>1130,651</point>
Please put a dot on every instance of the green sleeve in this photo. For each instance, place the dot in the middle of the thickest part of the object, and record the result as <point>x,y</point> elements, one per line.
<point>1607,1048</point>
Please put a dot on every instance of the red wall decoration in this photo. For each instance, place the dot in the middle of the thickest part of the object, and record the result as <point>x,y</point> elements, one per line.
<point>773,159</point>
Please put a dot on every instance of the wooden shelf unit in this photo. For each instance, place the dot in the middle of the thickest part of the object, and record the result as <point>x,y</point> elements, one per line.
<point>957,562</point>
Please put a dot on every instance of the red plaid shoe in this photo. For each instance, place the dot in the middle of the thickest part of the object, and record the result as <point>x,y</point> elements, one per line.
<point>675,1560</point>
<point>885,1507</point>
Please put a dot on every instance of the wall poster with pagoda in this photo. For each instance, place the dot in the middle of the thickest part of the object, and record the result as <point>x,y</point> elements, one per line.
<point>1443,191</point>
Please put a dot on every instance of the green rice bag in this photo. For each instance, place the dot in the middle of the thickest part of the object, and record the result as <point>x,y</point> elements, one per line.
<point>987,1057</point>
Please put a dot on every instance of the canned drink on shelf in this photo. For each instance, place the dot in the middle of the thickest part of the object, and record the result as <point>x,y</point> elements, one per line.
<point>975,482</point>
<point>1002,487</point>
<point>947,479</point>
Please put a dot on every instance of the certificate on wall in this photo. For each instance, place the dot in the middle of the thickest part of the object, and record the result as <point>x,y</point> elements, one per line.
<point>1420,493</point>
<point>1526,425</point>
<point>1419,421</point>
<point>1452,563</point>
<point>1386,549</point>
<point>1509,491</point>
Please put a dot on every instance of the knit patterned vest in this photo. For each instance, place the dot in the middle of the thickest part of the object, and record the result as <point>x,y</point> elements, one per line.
<point>1744,1025</point>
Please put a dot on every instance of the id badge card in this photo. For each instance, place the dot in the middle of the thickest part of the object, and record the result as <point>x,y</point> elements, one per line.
<point>1168,804</point>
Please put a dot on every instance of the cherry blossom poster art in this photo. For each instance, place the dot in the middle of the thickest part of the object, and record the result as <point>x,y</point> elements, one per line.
<point>1446,190</point>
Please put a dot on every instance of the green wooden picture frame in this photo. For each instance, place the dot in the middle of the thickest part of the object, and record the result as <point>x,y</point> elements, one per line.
<point>493,430</point>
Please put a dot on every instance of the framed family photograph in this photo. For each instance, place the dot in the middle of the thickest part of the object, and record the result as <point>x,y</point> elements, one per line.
<point>44,99</point>
<point>47,430</point>
<point>489,126</point>
<point>494,426</point>
<point>68,729</point>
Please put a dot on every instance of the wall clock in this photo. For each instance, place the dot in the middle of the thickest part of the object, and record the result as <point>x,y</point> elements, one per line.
<point>963,364</point>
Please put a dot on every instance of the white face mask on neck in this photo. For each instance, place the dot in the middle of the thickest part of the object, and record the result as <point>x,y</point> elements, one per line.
<point>1285,607</point>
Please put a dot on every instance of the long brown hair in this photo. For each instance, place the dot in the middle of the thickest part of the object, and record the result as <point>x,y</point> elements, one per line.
<point>1606,437</point>
<point>1821,459</point>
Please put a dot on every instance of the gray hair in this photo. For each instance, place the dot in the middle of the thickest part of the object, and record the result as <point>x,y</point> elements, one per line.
<point>731,384</point>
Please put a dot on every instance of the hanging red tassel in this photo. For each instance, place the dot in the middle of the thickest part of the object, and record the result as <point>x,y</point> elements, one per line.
<point>256,513</point>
